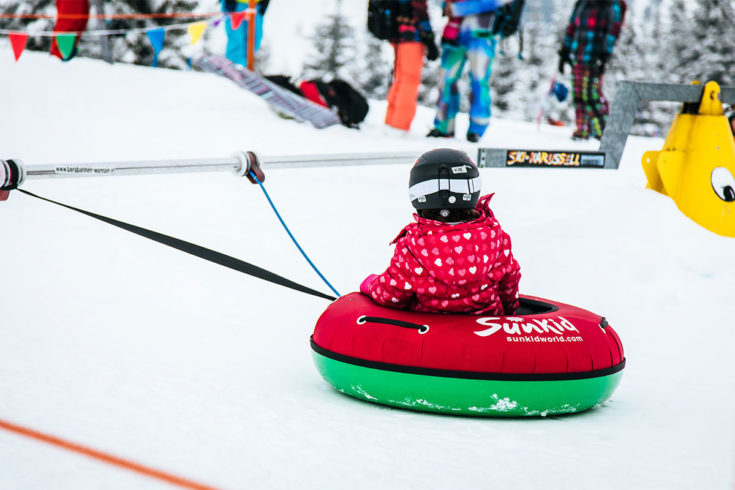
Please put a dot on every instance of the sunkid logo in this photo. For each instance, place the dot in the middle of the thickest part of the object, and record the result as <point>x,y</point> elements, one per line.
<point>519,326</point>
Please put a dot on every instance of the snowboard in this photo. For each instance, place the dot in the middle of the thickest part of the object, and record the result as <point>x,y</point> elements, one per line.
<point>281,100</point>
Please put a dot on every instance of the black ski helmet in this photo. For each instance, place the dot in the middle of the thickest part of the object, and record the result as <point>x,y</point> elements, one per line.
<point>444,179</point>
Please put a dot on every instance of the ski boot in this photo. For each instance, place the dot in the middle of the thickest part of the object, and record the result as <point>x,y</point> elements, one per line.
<point>435,133</point>
<point>580,135</point>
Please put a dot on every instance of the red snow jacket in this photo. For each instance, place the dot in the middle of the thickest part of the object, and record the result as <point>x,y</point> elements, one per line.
<point>440,267</point>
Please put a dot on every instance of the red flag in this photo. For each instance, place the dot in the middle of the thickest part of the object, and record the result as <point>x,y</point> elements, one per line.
<point>18,41</point>
<point>236,19</point>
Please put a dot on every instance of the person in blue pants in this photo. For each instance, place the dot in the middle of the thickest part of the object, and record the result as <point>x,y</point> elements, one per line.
<point>467,37</point>
<point>237,39</point>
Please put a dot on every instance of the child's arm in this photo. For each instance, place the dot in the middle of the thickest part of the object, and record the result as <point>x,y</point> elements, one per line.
<point>393,287</point>
<point>508,284</point>
<point>508,287</point>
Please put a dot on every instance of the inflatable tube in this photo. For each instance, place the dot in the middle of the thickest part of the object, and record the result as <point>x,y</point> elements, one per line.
<point>549,358</point>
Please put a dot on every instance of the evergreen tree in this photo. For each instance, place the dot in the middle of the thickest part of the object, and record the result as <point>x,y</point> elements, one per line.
<point>676,40</point>
<point>504,78</point>
<point>133,47</point>
<point>654,118</point>
<point>372,70</point>
<point>429,88</point>
<point>41,7</point>
<point>333,48</point>
<point>712,56</point>
<point>538,66</point>
<point>630,62</point>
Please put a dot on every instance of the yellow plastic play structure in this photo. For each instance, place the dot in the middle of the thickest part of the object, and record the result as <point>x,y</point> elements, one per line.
<point>696,167</point>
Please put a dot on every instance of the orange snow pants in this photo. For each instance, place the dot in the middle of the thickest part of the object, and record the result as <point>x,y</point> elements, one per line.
<point>404,92</point>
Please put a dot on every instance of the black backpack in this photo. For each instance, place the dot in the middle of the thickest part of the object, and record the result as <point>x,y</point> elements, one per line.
<point>508,18</point>
<point>382,19</point>
<point>351,105</point>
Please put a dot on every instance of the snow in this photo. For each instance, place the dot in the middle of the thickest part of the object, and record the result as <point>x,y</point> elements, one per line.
<point>129,347</point>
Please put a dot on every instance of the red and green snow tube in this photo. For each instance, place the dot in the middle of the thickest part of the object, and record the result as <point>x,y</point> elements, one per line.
<point>549,358</point>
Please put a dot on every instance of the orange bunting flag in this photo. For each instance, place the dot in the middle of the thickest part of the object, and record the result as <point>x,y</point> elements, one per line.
<point>195,31</point>
<point>236,19</point>
<point>18,42</point>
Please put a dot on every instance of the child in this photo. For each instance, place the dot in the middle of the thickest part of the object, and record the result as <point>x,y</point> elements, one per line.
<point>455,257</point>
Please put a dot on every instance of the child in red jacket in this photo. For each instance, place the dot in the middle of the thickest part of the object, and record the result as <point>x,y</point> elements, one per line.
<point>455,257</point>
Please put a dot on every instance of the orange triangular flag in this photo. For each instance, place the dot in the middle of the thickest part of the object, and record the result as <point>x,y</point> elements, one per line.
<point>18,42</point>
<point>236,19</point>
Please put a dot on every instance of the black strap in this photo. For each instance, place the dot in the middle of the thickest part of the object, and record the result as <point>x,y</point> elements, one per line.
<point>390,321</point>
<point>196,250</point>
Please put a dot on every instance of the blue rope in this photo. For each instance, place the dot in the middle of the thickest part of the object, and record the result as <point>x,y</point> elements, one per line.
<point>291,234</point>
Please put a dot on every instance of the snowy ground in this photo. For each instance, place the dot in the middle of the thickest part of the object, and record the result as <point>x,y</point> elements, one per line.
<point>118,343</point>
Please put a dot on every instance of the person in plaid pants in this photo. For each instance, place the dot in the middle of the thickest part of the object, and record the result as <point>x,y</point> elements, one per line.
<point>588,44</point>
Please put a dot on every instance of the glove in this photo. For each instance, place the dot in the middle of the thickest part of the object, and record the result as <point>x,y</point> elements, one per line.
<point>262,6</point>
<point>432,52</point>
<point>599,66</point>
<point>365,286</point>
<point>564,59</point>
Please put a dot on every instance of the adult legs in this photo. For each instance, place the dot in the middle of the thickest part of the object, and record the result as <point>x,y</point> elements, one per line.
<point>481,53</point>
<point>590,105</point>
<point>404,92</point>
<point>597,106</point>
<point>237,39</point>
<point>453,60</point>
<point>580,78</point>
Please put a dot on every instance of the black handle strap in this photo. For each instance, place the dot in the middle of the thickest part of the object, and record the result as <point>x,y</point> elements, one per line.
<point>196,250</point>
<point>389,321</point>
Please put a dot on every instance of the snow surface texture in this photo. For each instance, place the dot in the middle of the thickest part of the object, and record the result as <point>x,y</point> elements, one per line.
<point>127,346</point>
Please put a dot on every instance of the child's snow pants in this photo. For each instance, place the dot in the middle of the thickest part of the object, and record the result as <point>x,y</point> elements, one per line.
<point>590,105</point>
<point>480,51</point>
<point>404,92</point>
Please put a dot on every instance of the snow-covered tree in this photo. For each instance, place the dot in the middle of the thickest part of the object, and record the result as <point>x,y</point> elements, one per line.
<point>371,71</point>
<point>538,65</point>
<point>674,42</point>
<point>39,7</point>
<point>333,47</point>
<point>712,56</point>
<point>505,72</point>
<point>133,47</point>
<point>429,88</point>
